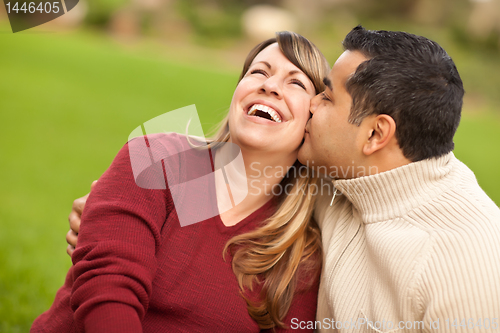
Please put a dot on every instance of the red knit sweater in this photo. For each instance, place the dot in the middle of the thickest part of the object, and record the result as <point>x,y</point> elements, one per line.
<point>137,270</point>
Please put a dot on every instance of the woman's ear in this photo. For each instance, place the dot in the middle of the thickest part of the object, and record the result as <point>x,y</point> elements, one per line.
<point>380,131</point>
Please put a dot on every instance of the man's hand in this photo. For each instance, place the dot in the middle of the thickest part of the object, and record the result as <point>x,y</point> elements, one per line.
<point>74,219</point>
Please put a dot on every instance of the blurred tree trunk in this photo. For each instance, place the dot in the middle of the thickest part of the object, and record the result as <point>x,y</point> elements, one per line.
<point>430,11</point>
<point>484,18</point>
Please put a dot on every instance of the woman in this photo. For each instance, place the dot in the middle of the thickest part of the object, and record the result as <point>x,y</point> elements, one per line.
<point>254,267</point>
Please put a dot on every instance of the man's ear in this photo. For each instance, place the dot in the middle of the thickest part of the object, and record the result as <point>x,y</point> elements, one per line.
<point>380,131</point>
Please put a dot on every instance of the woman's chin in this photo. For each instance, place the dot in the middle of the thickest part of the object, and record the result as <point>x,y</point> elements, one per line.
<point>257,144</point>
<point>267,146</point>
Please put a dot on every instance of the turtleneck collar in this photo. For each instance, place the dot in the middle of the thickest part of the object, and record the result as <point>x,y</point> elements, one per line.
<point>394,193</point>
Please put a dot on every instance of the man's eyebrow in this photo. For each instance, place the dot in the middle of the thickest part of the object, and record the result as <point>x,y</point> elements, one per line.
<point>327,83</point>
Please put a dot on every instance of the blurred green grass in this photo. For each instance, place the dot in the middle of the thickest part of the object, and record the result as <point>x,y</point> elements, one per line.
<point>476,144</point>
<point>67,104</point>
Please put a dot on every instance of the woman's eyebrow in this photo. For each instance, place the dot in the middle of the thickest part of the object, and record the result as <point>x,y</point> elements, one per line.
<point>265,63</point>
<point>295,72</point>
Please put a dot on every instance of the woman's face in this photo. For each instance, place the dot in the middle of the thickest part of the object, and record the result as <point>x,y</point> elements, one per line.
<point>270,106</point>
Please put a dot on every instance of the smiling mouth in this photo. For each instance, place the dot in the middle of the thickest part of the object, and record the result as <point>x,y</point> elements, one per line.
<point>263,111</point>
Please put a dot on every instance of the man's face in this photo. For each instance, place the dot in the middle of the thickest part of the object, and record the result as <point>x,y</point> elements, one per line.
<point>330,140</point>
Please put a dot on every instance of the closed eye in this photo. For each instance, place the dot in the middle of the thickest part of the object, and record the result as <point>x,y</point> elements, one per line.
<point>259,71</point>
<point>324,97</point>
<point>299,83</point>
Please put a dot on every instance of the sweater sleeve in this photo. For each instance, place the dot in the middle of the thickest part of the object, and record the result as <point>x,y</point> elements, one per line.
<point>460,284</point>
<point>114,262</point>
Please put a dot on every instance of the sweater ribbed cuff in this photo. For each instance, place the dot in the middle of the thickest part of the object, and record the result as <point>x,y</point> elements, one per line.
<point>113,318</point>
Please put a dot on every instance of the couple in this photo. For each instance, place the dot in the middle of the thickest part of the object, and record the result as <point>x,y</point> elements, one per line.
<point>409,240</point>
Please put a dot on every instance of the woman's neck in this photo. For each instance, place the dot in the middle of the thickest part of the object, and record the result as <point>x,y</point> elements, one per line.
<point>248,182</point>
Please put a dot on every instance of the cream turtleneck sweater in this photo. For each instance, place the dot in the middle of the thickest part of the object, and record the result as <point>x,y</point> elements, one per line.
<point>414,249</point>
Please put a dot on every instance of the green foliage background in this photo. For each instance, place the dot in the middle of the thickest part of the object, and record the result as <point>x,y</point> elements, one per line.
<point>68,103</point>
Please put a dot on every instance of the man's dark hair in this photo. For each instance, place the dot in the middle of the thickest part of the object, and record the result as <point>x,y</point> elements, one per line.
<point>413,80</point>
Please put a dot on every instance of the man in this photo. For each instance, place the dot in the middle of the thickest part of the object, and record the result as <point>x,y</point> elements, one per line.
<point>413,242</point>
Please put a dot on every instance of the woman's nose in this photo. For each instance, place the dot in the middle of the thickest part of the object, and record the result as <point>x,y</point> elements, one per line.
<point>272,87</point>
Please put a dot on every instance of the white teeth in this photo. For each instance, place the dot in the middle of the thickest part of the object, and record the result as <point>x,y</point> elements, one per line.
<point>265,109</point>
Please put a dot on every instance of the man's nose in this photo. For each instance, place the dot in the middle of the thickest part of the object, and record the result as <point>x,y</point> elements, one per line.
<point>314,103</point>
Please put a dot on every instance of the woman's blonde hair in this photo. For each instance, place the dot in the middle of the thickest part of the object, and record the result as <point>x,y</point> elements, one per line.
<point>290,239</point>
